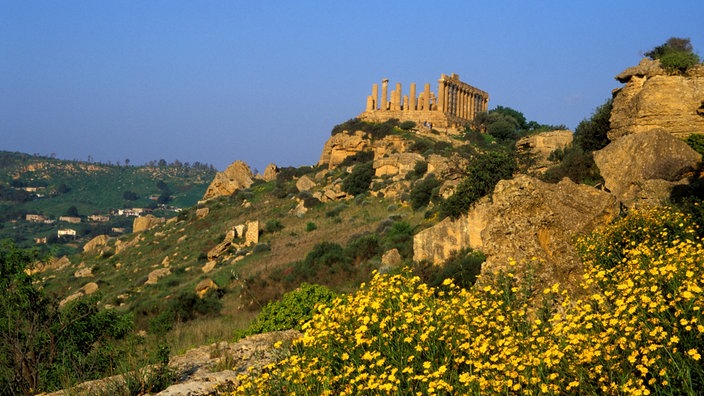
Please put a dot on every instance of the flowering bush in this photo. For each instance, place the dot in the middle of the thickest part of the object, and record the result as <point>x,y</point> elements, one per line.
<point>639,331</point>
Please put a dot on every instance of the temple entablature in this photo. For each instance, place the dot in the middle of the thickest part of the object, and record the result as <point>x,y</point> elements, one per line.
<point>454,104</point>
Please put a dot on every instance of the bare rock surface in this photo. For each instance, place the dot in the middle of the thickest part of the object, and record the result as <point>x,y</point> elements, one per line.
<point>653,99</point>
<point>95,243</point>
<point>237,176</point>
<point>270,172</point>
<point>525,219</point>
<point>641,169</point>
<point>147,222</point>
<point>304,183</point>
<point>541,145</point>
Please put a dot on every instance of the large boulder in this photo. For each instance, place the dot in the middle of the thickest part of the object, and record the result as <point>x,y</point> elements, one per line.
<point>343,145</point>
<point>396,164</point>
<point>147,222</point>
<point>304,183</point>
<point>236,177</point>
<point>538,147</point>
<point>653,99</point>
<point>95,243</point>
<point>641,169</point>
<point>270,172</point>
<point>525,219</point>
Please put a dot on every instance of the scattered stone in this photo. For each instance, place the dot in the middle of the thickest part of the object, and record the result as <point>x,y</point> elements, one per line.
<point>153,277</point>
<point>83,273</point>
<point>202,212</point>
<point>90,288</point>
<point>209,266</point>
<point>391,258</point>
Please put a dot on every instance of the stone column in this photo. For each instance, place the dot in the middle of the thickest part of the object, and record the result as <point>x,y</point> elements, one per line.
<point>441,95</point>
<point>375,95</point>
<point>404,107</point>
<point>427,96</point>
<point>396,105</point>
<point>412,97</point>
<point>384,94</point>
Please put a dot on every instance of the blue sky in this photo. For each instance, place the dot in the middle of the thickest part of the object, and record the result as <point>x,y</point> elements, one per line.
<point>217,81</point>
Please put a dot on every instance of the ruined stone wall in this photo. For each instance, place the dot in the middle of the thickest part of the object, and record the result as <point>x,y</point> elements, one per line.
<point>454,104</point>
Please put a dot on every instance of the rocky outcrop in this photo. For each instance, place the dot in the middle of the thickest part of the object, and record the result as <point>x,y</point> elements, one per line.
<point>538,148</point>
<point>653,99</point>
<point>641,169</point>
<point>236,177</point>
<point>525,219</point>
<point>247,235</point>
<point>396,164</point>
<point>201,213</point>
<point>154,276</point>
<point>95,243</point>
<point>341,146</point>
<point>204,286</point>
<point>147,222</point>
<point>270,172</point>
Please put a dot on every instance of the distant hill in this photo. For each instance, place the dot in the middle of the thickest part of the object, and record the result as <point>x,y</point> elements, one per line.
<point>52,188</point>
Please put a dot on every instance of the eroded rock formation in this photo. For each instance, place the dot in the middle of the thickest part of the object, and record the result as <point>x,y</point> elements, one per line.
<point>237,176</point>
<point>653,99</point>
<point>539,147</point>
<point>147,222</point>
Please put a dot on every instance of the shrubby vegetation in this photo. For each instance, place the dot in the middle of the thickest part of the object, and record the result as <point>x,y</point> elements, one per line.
<point>577,161</point>
<point>483,172</point>
<point>44,347</point>
<point>639,329</point>
<point>359,180</point>
<point>676,55</point>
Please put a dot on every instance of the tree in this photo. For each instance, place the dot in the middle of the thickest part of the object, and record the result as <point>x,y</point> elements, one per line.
<point>129,195</point>
<point>72,211</point>
<point>591,134</point>
<point>359,180</point>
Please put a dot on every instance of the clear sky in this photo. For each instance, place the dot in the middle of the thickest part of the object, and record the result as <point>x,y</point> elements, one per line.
<point>265,81</point>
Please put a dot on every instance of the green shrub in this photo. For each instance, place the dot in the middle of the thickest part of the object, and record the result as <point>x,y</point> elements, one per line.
<point>359,157</point>
<point>462,267</point>
<point>359,180</point>
<point>484,171</point>
<point>696,142</point>
<point>311,227</point>
<point>575,164</point>
<point>363,247</point>
<point>591,134</point>
<point>424,191</point>
<point>261,248</point>
<point>273,226</point>
<point>398,235</point>
<point>407,125</point>
<point>334,212</point>
<point>294,308</point>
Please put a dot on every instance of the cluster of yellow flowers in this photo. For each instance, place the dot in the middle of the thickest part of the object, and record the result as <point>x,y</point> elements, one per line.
<point>640,330</point>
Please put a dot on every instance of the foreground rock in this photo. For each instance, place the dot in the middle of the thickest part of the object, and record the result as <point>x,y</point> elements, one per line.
<point>525,219</point>
<point>641,169</point>
<point>652,99</point>
<point>237,176</point>
<point>208,369</point>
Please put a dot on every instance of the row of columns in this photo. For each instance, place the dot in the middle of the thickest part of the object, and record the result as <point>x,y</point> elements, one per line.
<point>459,99</point>
<point>454,98</point>
<point>396,101</point>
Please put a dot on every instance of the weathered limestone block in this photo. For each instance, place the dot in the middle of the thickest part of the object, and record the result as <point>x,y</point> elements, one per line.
<point>93,244</point>
<point>641,169</point>
<point>85,272</point>
<point>209,266</point>
<point>396,164</point>
<point>154,276</point>
<point>147,222</point>
<point>436,244</point>
<point>237,176</point>
<point>652,99</point>
<point>304,183</point>
<point>252,234</point>
<point>391,258</point>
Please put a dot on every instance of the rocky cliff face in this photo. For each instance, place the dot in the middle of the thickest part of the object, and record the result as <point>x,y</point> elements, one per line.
<point>653,99</point>
<point>539,147</point>
<point>525,219</point>
<point>237,176</point>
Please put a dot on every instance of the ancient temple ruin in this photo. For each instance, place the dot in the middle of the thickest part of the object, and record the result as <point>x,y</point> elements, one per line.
<point>455,104</point>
